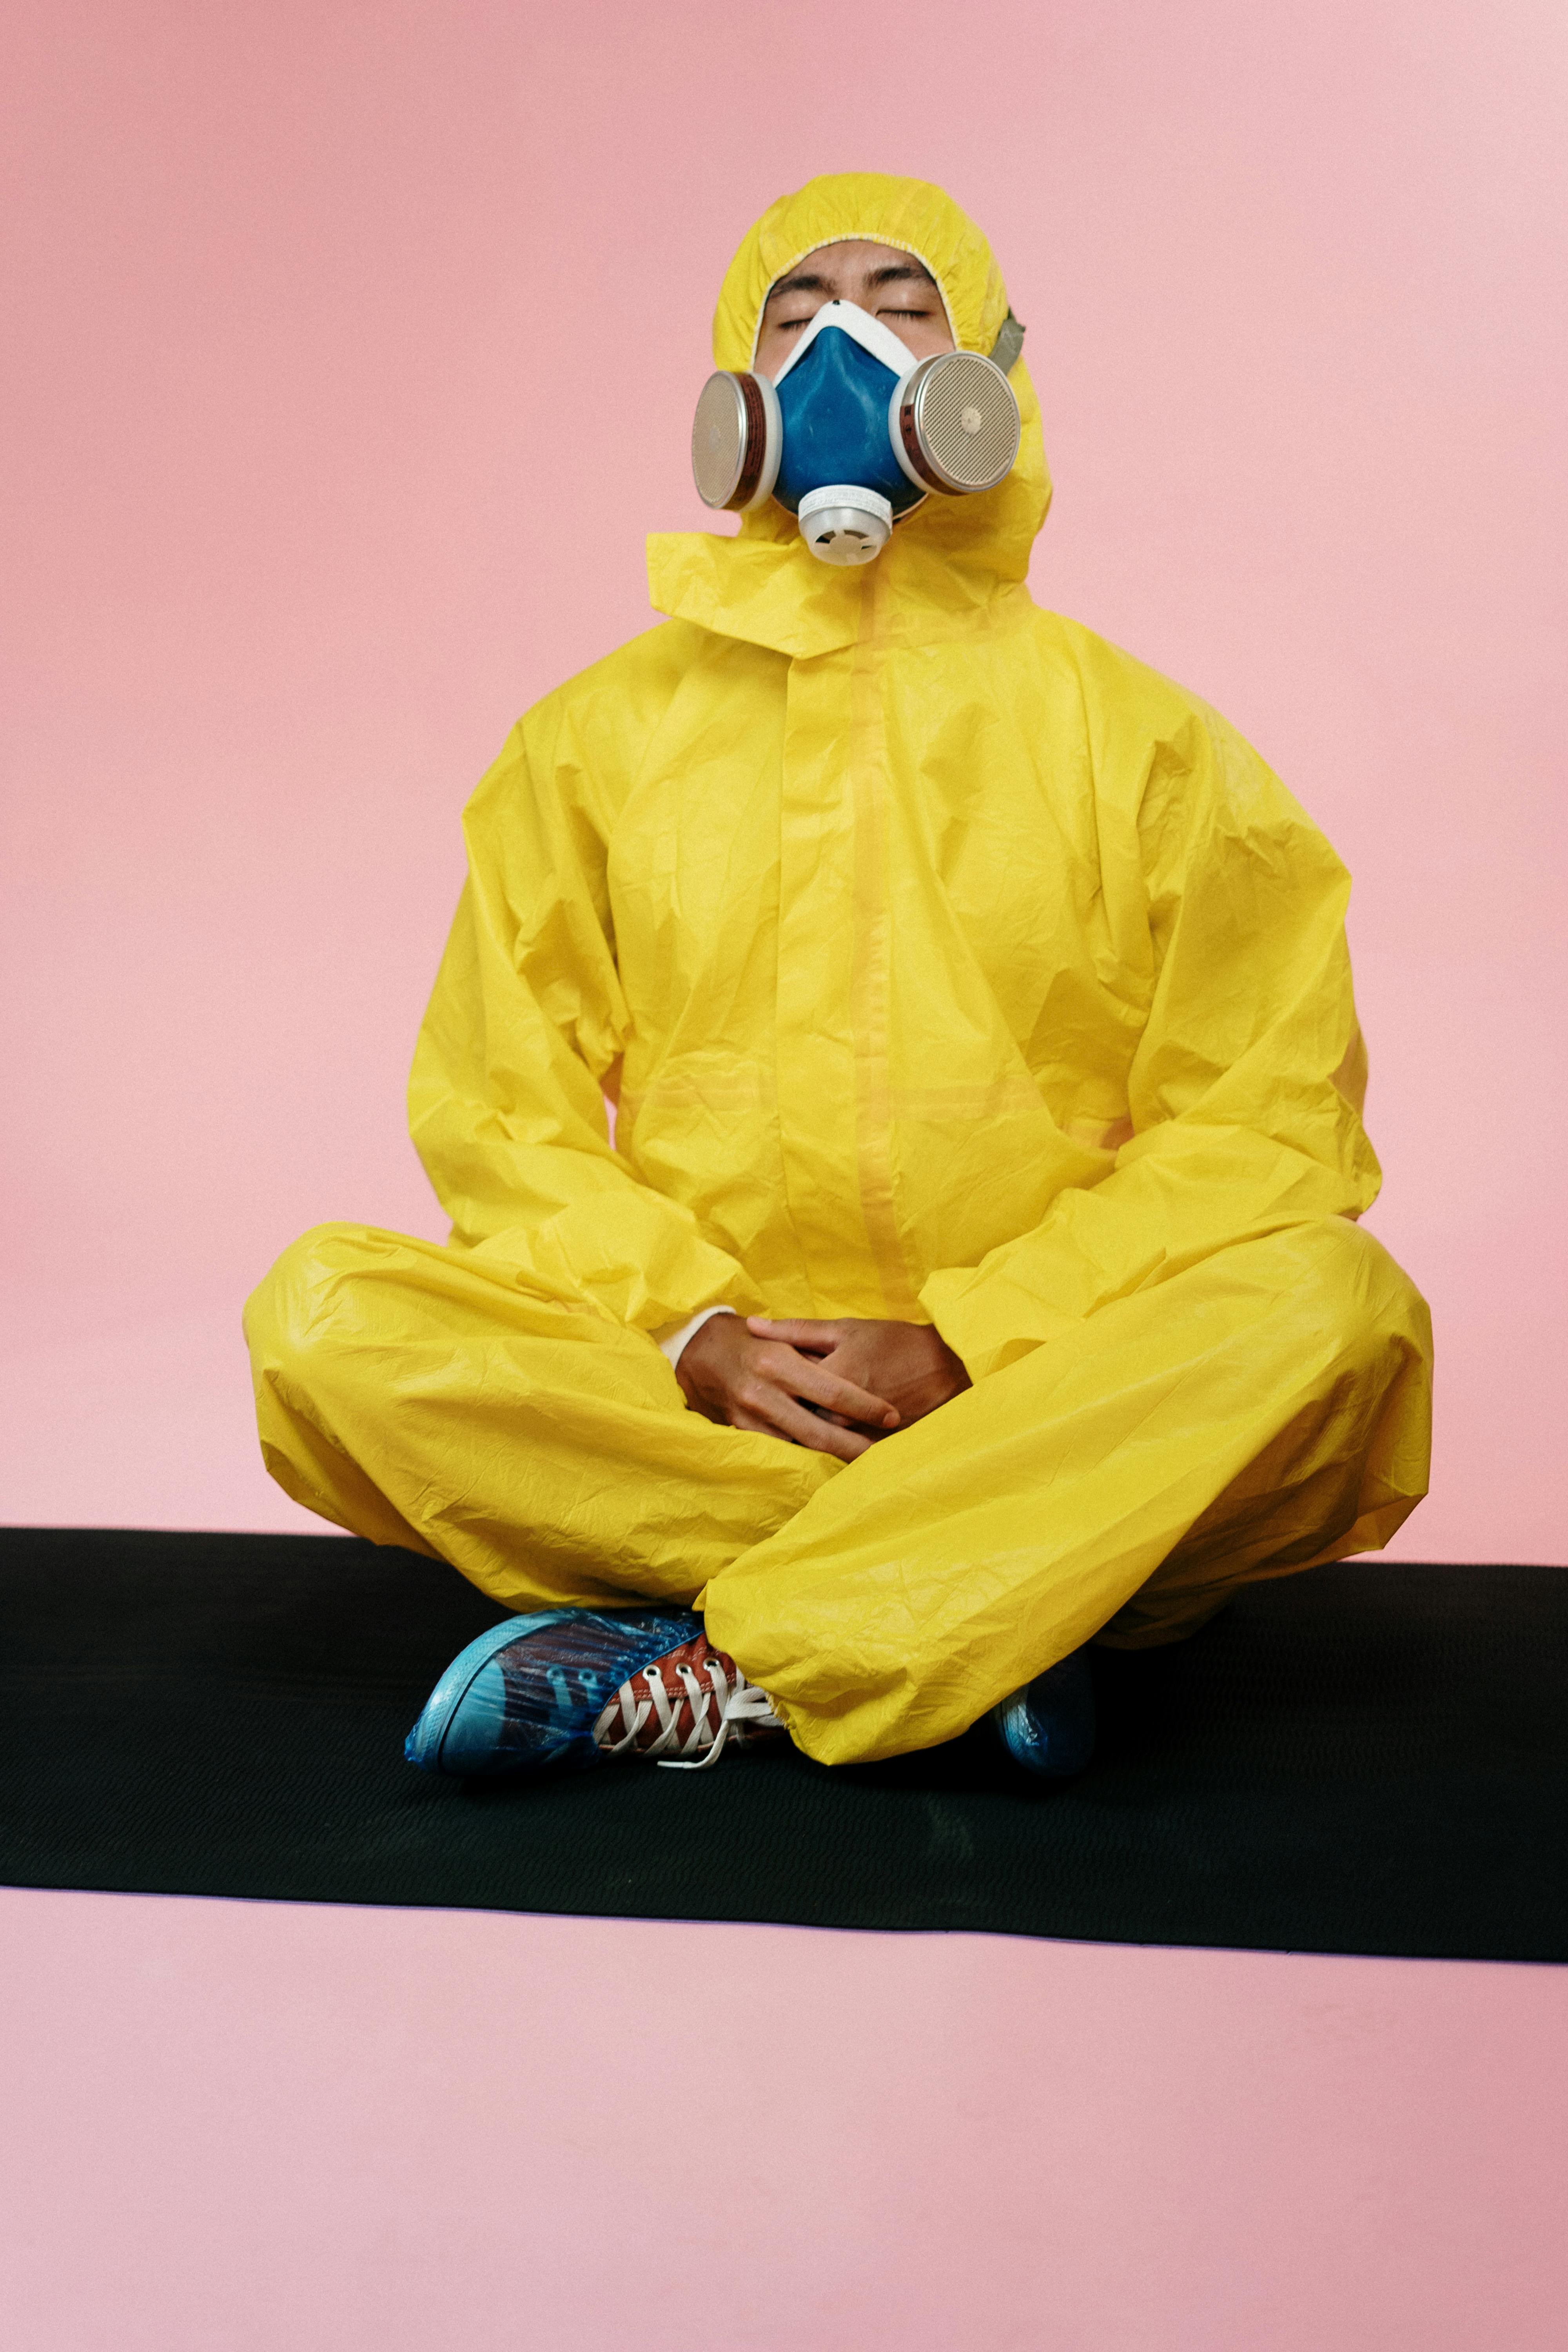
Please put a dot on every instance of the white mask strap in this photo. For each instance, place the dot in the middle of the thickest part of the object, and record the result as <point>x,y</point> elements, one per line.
<point>868,332</point>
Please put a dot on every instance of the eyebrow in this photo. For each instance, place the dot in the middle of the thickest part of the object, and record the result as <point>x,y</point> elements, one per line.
<point>808,281</point>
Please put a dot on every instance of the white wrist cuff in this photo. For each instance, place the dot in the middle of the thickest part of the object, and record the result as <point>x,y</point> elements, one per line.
<point>671,1343</point>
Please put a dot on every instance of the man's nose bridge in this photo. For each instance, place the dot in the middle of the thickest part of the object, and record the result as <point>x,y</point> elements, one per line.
<point>855,326</point>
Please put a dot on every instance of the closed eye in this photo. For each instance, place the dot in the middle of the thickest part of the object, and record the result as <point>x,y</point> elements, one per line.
<point>788,325</point>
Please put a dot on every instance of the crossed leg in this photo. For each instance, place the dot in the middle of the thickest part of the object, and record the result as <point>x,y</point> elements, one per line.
<point>1260,1411</point>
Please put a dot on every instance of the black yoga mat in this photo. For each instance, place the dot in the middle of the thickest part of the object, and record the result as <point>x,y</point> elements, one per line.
<point>1366,1759</point>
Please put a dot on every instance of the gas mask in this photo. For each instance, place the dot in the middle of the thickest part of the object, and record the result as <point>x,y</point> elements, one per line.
<point>853,431</point>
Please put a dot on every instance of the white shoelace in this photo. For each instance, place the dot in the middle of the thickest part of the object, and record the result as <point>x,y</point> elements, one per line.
<point>737,1706</point>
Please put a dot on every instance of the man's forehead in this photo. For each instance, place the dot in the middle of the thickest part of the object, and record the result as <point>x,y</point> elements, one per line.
<point>877,265</point>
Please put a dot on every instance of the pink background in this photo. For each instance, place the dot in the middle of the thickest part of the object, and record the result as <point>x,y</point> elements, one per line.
<point>322,2130</point>
<point>351,354</point>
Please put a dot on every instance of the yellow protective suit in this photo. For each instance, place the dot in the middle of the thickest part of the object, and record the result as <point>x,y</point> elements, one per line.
<point>946,965</point>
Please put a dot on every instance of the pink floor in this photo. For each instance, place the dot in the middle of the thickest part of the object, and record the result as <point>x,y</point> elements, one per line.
<point>257,2127</point>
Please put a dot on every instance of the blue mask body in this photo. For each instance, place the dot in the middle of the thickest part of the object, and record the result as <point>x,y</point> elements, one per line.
<point>834,406</point>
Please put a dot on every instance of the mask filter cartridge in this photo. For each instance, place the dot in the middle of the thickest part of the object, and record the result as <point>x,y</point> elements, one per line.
<point>736,441</point>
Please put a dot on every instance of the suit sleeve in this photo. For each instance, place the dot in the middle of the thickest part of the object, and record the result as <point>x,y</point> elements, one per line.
<point>525,1032</point>
<point>1245,1091</point>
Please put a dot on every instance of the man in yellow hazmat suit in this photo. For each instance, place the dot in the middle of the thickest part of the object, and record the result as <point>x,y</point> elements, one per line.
<point>973,1269</point>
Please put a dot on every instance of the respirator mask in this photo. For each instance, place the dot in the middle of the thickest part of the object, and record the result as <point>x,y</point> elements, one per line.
<point>853,431</point>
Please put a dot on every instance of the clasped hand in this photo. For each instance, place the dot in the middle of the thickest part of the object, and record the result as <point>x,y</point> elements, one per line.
<point>835,1387</point>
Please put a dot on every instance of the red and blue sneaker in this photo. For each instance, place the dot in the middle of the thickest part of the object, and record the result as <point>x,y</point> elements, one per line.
<point>573,1686</point>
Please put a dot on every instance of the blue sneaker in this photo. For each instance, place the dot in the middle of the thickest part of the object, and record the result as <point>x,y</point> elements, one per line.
<point>571,1685</point>
<point>1049,1725</point>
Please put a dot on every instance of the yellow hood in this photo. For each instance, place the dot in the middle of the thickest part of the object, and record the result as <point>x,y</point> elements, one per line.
<point>952,555</point>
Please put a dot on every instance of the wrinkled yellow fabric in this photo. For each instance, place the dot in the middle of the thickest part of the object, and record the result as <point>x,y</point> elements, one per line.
<point>944,963</point>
